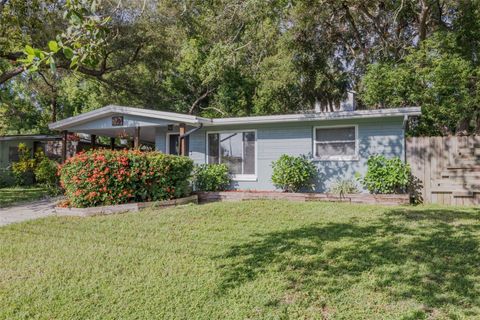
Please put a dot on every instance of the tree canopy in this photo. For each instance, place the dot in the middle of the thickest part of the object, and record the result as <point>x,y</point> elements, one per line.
<point>223,58</point>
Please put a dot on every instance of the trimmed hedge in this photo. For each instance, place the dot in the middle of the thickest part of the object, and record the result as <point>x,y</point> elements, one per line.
<point>106,177</point>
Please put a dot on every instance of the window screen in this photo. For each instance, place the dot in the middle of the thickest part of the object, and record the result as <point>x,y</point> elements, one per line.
<point>335,142</point>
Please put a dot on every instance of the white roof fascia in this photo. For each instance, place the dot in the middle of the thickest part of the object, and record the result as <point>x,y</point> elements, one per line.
<point>189,119</point>
<point>112,110</point>
<point>362,114</point>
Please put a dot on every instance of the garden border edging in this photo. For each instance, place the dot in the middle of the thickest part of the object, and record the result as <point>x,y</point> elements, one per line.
<point>121,208</point>
<point>384,199</point>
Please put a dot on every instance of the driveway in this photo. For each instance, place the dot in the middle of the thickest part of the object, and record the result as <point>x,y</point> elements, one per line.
<point>28,211</point>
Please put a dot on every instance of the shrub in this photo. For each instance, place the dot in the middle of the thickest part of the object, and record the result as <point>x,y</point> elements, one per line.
<point>105,177</point>
<point>46,175</point>
<point>7,179</point>
<point>23,169</point>
<point>386,176</point>
<point>211,177</point>
<point>293,173</point>
<point>345,186</point>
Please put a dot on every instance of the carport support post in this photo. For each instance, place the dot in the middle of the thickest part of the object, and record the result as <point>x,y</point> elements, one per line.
<point>183,149</point>
<point>112,143</point>
<point>136,138</point>
<point>93,141</point>
<point>64,146</point>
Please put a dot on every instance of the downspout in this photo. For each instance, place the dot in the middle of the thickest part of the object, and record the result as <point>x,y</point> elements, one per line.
<point>191,131</point>
<point>405,124</point>
<point>186,134</point>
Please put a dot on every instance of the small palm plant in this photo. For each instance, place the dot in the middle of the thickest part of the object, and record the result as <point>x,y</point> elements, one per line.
<point>343,187</point>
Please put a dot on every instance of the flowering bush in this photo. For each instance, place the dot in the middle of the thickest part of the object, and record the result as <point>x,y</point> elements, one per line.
<point>106,177</point>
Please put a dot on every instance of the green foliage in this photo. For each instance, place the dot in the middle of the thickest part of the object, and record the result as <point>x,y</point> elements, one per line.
<point>105,177</point>
<point>235,58</point>
<point>7,179</point>
<point>436,77</point>
<point>344,186</point>
<point>23,169</point>
<point>386,176</point>
<point>211,177</point>
<point>291,174</point>
<point>80,43</point>
<point>46,175</point>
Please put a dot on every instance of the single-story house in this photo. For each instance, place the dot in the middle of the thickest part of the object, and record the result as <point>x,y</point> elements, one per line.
<point>9,146</point>
<point>50,144</point>
<point>339,142</point>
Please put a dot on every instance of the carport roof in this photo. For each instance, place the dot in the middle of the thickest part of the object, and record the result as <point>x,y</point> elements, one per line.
<point>120,110</point>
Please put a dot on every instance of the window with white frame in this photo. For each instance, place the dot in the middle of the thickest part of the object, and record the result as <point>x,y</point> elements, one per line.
<point>336,143</point>
<point>235,149</point>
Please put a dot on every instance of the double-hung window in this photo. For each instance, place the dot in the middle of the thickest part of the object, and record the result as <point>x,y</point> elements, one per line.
<point>236,149</point>
<point>336,143</point>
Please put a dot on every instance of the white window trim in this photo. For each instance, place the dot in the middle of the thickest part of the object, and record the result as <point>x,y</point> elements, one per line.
<point>354,157</point>
<point>237,177</point>
<point>167,141</point>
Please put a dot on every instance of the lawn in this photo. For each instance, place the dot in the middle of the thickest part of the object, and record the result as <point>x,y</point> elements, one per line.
<point>15,195</point>
<point>248,260</point>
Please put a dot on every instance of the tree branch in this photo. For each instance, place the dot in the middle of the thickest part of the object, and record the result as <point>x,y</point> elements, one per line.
<point>7,75</point>
<point>198,100</point>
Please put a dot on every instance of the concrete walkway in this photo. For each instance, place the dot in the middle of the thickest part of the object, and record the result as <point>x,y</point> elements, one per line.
<point>28,211</point>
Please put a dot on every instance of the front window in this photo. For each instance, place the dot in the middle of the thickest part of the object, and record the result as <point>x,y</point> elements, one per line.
<point>235,149</point>
<point>336,143</point>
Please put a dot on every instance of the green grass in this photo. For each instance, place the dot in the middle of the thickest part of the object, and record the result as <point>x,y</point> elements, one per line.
<point>15,195</point>
<point>249,260</point>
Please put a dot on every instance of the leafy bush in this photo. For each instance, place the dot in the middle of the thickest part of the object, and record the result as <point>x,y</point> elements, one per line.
<point>46,175</point>
<point>293,173</point>
<point>211,177</point>
<point>7,179</point>
<point>386,176</point>
<point>23,169</point>
<point>345,186</point>
<point>105,177</point>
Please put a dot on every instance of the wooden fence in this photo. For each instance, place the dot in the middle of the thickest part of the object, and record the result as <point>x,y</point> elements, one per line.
<point>448,168</point>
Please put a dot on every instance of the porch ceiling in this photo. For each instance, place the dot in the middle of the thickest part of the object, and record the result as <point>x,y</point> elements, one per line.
<point>147,134</point>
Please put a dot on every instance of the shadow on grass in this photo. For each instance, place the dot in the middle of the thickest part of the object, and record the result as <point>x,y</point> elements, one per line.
<point>429,255</point>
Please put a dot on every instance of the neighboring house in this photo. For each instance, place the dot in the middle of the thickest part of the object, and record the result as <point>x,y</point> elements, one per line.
<point>50,144</point>
<point>339,142</point>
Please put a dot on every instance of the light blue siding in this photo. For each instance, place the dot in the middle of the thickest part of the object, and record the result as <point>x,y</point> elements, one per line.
<point>376,136</point>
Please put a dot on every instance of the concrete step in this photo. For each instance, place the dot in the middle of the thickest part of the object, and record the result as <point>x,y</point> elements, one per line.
<point>465,167</point>
<point>468,156</point>
<point>458,194</point>
<point>458,174</point>
<point>462,182</point>
<point>452,189</point>
<point>466,162</point>
<point>469,151</point>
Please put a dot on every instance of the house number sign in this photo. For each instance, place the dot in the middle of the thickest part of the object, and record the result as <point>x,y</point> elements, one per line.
<point>117,121</point>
